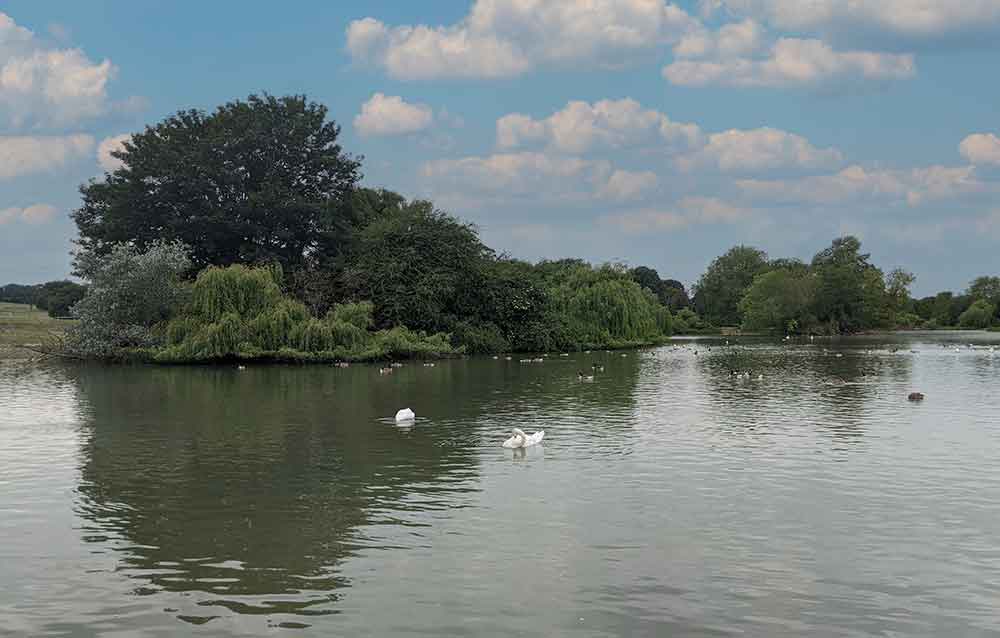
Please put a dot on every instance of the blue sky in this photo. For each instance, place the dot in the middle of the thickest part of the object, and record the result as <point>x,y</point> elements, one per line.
<point>629,130</point>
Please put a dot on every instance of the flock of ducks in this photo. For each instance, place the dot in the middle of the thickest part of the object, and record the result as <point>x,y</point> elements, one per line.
<point>519,439</point>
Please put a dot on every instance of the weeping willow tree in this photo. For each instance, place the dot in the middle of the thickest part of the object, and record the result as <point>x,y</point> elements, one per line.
<point>600,307</point>
<point>239,312</point>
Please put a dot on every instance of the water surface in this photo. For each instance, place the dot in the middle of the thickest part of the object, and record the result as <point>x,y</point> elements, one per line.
<point>668,498</point>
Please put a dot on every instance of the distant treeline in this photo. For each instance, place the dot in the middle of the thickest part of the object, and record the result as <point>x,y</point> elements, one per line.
<point>244,233</point>
<point>839,292</point>
<point>56,297</point>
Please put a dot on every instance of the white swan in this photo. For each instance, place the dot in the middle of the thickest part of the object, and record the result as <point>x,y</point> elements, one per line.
<point>405,415</point>
<point>520,439</point>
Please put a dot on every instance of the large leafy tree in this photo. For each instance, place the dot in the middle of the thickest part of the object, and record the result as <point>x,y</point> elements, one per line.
<point>261,180</point>
<point>58,297</point>
<point>420,267</point>
<point>780,301</point>
<point>851,293</point>
<point>669,292</point>
<point>719,291</point>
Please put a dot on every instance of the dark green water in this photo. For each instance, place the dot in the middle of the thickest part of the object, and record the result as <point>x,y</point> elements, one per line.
<point>668,498</point>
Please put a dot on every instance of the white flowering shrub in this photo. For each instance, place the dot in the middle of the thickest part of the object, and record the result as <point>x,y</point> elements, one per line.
<point>129,295</point>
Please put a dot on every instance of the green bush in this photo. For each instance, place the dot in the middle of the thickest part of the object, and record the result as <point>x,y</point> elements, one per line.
<point>978,316</point>
<point>240,313</point>
<point>480,339</point>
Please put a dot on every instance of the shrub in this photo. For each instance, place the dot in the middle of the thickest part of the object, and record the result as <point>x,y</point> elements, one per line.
<point>130,294</point>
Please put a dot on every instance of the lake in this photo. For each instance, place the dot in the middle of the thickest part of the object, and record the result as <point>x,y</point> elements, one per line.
<point>668,498</point>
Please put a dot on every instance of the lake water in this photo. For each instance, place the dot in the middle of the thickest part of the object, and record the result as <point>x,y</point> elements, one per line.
<point>668,498</point>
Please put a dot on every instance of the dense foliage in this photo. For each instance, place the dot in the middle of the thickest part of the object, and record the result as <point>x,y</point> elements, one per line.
<point>55,297</point>
<point>239,312</point>
<point>719,291</point>
<point>242,234</point>
<point>257,181</point>
<point>669,292</point>
<point>130,294</point>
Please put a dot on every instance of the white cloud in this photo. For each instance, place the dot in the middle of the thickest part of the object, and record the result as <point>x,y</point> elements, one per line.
<point>607,124</point>
<point>36,214</point>
<point>537,176</point>
<point>913,20</point>
<point>857,184</point>
<point>628,185</point>
<point>791,63</point>
<point>41,85</point>
<point>730,41</point>
<point>758,150</point>
<point>687,212</point>
<point>26,155</point>
<point>392,115</point>
<point>981,148</point>
<point>505,38</point>
<point>107,146</point>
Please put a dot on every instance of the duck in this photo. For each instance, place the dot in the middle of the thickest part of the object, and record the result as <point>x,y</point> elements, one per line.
<point>241,367</point>
<point>584,377</point>
<point>521,440</point>
<point>429,364</point>
<point>597,368</point>
<point>406,415</point>
<point>385,370</point>
<point>396,364</point>
<point>915,396</point>
<point>538,360</point>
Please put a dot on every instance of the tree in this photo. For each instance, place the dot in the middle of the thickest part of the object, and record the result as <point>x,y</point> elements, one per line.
<point>719,291</point>
<point>131,293</point>
<point>19,293</point>
<point>669,292</point>
<point>676,295</point>
<point>258,181</point>
<point>420,267</point>
<point>850,291</point>
<point>978,316</point>
<point>780,301</point>
<point>897,291</point>
<point>58,297</point>
<point>987,288</point>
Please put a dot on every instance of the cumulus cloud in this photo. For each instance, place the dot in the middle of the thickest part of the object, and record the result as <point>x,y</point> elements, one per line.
<point>758,150</point>
<point>392,115</point>
<point>687,212</point>
<point>607,124</point>
<point>505,38</point>
<point>628,185</point>
<point>25,155</point>
<point>537,175</point>
<point>40,85</point>
<point>981,148</point>
<point>108,146</point>
<point>788,63</point>
<point>36,214</point>
<point>912,20</point>
<point>855,184</point>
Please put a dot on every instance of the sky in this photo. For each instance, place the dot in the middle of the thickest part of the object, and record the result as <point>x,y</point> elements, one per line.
<point>635,131</point>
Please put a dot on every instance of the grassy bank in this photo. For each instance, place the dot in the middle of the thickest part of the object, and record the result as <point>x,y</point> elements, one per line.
<point>22,325</point>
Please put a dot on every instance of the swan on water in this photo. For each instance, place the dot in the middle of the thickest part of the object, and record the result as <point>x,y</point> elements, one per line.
<point>405,415</point>
<point>520,439</point>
